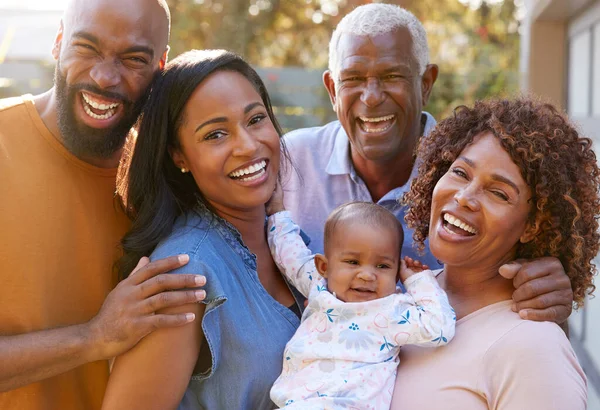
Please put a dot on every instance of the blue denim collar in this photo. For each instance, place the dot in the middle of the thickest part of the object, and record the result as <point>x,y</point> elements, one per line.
<point>230,234</point>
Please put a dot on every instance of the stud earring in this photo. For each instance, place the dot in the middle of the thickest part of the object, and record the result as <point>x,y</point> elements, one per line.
<point>184,170</point>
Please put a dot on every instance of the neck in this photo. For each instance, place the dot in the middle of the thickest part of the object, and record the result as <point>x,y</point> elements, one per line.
<point>472,289</point>
<point>381,177</point>
<point>45,104</point>
<point>250,223</point>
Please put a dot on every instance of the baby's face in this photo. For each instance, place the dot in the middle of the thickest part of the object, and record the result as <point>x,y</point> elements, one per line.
<point>362,262</point>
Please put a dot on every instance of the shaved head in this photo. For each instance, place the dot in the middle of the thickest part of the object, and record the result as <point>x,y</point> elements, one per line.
<point>153,9</point>
<point>107,52</point>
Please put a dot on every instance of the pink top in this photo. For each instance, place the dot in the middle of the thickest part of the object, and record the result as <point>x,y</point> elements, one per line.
<point>496,361</point>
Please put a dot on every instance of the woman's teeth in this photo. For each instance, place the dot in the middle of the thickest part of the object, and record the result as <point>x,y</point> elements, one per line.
<point>258,169</point>
<point>460,224</point>
<point>253,177</point>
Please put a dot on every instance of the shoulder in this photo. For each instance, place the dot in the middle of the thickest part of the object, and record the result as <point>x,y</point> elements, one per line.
<point>12,107</point>
<point>532,365</point>
<point>209,253</point>
<point>7,103</point>
<point>310,139</point>
<point>533,349</point>
<point>526,339</point>
<point>197,236</point>
<point>189,234</point>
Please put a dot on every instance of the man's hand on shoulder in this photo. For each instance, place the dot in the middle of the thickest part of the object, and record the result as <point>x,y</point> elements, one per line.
<point>132,310</point>
<point>542,289</point>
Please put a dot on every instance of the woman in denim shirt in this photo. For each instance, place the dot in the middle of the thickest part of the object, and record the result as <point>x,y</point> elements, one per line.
<point>195,182</point>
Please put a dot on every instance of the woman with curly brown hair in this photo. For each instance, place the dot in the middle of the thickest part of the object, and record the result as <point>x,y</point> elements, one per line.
<point>499,181</point>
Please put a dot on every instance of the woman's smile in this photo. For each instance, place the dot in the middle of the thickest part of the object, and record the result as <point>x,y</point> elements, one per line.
<point>229,143</point>
<point>480,206</point>
<point>251,175</point>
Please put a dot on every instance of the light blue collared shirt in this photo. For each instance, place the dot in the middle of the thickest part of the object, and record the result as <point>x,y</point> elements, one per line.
<point>324,178</point>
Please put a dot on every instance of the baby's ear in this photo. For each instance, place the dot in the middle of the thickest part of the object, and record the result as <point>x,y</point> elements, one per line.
<point>321,264</point>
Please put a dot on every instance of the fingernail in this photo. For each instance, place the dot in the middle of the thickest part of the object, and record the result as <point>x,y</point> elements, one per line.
<point>200,294</point>
<point>514,307</point>
<point>183,258</point>
<point>200,280</point>
<point>190,316</point>
<point>523,314</point>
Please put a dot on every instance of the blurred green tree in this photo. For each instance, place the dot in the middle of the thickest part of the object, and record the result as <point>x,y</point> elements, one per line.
<point>475,42</point>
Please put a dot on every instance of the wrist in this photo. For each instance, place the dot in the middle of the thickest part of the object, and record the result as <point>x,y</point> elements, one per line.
<point>405,275</point>
<point>272,209</point>
<point>93,347</point>
<point>416,276</point>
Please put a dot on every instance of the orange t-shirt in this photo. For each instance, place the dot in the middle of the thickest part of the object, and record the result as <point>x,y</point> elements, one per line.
<point>59,234</point>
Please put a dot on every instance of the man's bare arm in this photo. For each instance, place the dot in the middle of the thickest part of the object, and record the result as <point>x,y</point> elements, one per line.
<point>127,315</point>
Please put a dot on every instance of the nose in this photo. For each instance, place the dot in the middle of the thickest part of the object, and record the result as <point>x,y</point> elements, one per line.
<point>367,274</point>
<point>372,94</point>
<point>467,197</point>
<point>246,144</point>
<point>105,74</point>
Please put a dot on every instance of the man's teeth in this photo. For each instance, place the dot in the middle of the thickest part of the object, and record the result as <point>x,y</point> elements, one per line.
<point>461,224</point>
<point>106,116</point>
<point>370,128</point>
<point>260,166</point>
<point>376,119</point>
<point>97,105</point>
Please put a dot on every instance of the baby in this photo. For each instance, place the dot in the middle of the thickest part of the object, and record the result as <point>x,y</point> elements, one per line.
<point>344,355</point>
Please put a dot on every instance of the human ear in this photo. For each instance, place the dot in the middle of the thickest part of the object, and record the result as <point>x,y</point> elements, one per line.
<point>164,58</point>
<point>330,86</point>
<point>321,264</point>
<point>178,158</point>
<point>58,41</point>
<point>427,81</point>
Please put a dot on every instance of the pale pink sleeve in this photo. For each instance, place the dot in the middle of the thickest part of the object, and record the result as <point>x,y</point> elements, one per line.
<point>289,252</point>
<point>533,367</point>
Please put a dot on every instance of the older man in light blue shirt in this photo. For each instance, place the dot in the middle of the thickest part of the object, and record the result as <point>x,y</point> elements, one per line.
<point>378,80</point>
<point>326,178</point>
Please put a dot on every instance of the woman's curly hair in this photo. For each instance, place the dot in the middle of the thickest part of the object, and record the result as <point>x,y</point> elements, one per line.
<point>555,161</point>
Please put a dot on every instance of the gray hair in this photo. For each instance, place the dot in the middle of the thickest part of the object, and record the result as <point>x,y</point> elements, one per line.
<point>378,18</point>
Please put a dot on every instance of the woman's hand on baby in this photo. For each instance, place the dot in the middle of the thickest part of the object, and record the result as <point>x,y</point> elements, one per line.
<point>275,204</point>
<point>410,266</point>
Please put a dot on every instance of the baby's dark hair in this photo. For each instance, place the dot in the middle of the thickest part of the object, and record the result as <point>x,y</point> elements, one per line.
<point>365,212</point>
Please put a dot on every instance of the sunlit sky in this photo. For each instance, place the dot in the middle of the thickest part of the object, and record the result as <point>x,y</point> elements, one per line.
<point>34,4</point>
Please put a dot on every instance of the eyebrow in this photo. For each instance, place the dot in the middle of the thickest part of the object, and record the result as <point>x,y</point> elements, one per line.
<point>140,49</point>
<point>496,177</point>
<point>133,49</point>
<point>87,36</point>
<point>357,254</point>
<point>217,120</point>
<point>399,67</point>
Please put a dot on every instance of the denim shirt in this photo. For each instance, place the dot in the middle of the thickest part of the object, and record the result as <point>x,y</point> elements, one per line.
<point>246,330</point>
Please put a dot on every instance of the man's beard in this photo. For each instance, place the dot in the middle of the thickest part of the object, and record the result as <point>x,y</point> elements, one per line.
<point>84,141</point>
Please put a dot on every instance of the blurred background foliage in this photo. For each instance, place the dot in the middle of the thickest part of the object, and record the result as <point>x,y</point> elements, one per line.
<point>474,42</point>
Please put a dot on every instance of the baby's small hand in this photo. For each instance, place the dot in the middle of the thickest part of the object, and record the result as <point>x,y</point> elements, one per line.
<point>275,204</point>
<point>410,266</point>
